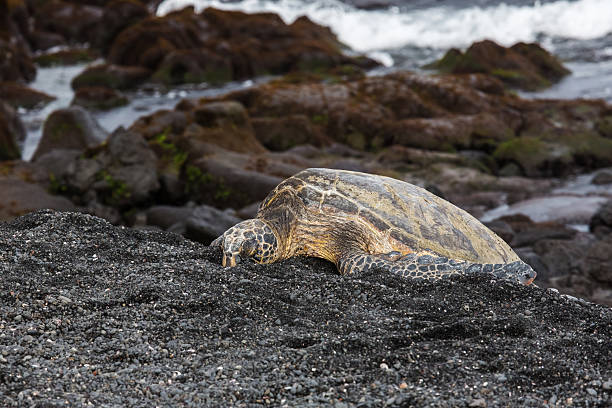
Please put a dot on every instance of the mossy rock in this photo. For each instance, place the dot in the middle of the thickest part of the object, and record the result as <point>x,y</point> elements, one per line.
<point>111,76</point>
<point>99,98</point>
<point>534,156</point>
<point>604,126</point>
<point>524,66</point>
<point>66,57</point>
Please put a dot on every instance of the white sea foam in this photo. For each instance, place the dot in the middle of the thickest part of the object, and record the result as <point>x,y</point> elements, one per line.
<point>436,27</point>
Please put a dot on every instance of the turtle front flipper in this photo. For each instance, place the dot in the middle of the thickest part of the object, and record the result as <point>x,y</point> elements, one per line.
<point>249,239</point>
<point>429,267</point>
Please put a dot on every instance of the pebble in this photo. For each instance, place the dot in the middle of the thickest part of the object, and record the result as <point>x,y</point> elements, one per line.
<point>64,299</point>
<point>591,391</point>
<point>478,403</point>
<point>607,385</point>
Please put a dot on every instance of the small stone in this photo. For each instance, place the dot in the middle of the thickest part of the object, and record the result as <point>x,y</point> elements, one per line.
<point>591,392</point>
<point>64,299</point>
<point>607,385</point>
<point>478,402</point>
<point>500,377</point>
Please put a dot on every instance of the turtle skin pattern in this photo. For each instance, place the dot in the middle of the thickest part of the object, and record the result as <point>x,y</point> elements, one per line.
<point>429,267</point>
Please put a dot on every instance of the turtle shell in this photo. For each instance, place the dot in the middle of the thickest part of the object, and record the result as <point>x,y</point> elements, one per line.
<point>399,216</point>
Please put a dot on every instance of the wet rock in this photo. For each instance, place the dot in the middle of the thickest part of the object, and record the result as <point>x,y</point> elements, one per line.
<point>603,177</point>
<point>217,46</point>
<point>193,66</point>
<point>69,128</point>
<point>73,21</point>
<point>111,76</point>
<point>168,216</point>
<point>63,57</point>
<point>56,163</point>
<point>11,132</point>
<point>601,222</point>
<point>206,223</point>
<point>220,181</point>
<point>561,256</point>
<point>116,16</point>
<point>15,55</point>
<point>162,122</point>
<point>283,133</point>
<point>98,98</point>
<point>225,124</point>
<point>20,197</point>
<point>529,234</point>
<point>526,66</point>
<point>19,95</point>
<point>121,173</point>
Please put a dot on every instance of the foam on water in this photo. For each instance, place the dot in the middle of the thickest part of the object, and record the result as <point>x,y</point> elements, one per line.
<point>436,27</point>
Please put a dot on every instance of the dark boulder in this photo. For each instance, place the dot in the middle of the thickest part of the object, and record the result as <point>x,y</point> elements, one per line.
<point>73,21</point>
<point>601,222</point>
<point>11,132</point>
<point>19,95</point>
<point>70,128</point>
<point>111,76</point>
<point>20,197</point>
<point>206,223</point>
<point>525,66</point>
<point>98,98</point>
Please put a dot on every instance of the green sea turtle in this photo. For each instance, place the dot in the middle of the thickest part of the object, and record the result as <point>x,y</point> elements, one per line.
<point>364,222</point>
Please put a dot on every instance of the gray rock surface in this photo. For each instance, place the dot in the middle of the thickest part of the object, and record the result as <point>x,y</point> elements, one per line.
<point>70,128</point>
<point>92,314</point>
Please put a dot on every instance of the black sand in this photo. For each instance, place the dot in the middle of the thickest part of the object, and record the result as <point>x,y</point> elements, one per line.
<point>92,314</point>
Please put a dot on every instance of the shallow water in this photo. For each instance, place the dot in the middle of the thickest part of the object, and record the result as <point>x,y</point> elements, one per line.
<point>572,203</point>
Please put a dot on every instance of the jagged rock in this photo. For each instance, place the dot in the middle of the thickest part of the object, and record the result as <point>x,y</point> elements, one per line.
<point>73,21</point>
<point>20,197</point>
<point>601,222</point>
<point>216,46</point>
<point>220,181</point>
<point>98,98</point>
<point>225,124</point>
<point>19,95</point>
<point>11,131</point>
<point>71,56</point>
<point>111,76</point>
<point>526,66</point>
<point>603,177</point>
<point>206,223</point>
<point>116,16</point>
<point>69,128</point>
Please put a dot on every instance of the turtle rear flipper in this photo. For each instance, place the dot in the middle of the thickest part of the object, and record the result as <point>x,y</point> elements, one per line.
<point>429,267</point>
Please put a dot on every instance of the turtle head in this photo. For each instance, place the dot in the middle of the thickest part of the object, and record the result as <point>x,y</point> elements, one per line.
<point>249,239</point>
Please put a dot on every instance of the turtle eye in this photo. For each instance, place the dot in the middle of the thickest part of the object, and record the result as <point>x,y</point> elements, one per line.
<point>249,247</point>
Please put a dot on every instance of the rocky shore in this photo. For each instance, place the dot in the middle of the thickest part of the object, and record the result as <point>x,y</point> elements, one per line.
<point>93,314</point>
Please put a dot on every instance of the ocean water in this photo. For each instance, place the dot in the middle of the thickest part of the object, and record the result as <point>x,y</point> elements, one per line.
<point>406,34</point>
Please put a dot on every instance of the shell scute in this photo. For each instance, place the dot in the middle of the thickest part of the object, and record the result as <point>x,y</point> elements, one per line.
<point>397,216</point>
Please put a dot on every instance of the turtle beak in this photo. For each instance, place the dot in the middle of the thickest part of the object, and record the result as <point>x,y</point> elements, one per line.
<point>228,260</point>
<point>529,276</point>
